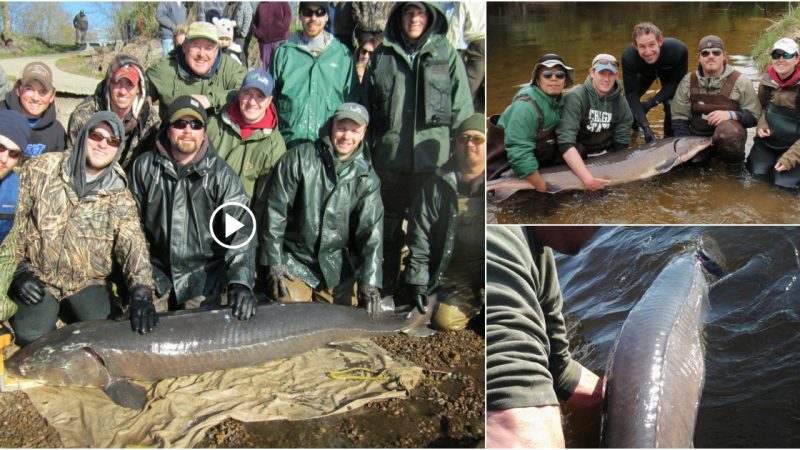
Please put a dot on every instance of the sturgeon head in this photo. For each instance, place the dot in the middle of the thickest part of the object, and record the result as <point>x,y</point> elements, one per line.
<point>59,362</point>
<point>687,147</point>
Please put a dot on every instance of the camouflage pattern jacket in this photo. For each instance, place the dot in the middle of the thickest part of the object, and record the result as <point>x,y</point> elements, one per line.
<point>8,263</point>
<point>71,243</point>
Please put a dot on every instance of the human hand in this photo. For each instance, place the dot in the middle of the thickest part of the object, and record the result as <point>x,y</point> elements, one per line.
<point>780,167</point>
<point>715,118</point>
<point>26,287</point>
<point>370,298</point>
<point>242,301</point>
<point>275,283</point>
<point>649,136</point>
<point>590,391</point>
<point>763,132</point>
<point>594,184</point>
<point>143,312</point>
<point>203,100</point>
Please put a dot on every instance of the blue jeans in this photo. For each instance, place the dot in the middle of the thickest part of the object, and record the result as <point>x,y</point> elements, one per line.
<point>166,45</point>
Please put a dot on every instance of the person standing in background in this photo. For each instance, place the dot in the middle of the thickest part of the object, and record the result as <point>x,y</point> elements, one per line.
<point>81,24</point>
<point>271,27</point>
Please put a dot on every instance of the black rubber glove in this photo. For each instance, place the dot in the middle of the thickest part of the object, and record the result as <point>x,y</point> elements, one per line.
<point>26,287</point>
<point>143,312</point>
<point>242,301</point>
<point>275,278</point>
<point>419,294</point>
<point>649,136</point>
<point>370,298</point>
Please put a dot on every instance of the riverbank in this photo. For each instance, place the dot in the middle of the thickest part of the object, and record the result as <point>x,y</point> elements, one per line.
<point>786,25</point>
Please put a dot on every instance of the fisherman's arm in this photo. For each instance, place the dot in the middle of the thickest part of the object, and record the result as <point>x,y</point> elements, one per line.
<point>681,108</point>
<point>461,95</point>
<point>575,162</point>
<point>130,246</point>
<point>762,128</point>
<point>622,130</point>
<point>8,264</point>
<point>630,83</point>
<point>520,122</point>
<point>790,158</point>
<point>230,81</point>
<point>679,65</point>
<point>369,233</point>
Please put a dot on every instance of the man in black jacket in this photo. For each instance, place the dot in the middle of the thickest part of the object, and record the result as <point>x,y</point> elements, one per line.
<point>178,187</point>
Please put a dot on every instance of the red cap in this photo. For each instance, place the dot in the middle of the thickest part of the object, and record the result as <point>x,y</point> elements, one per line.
<point>128,72</point>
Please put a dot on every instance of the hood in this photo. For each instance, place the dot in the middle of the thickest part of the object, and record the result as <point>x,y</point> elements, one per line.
<point>436,26</point>
<point>103,91</point>
<point>76,169</point>
<point>615,92</point>
<point>47,119</point>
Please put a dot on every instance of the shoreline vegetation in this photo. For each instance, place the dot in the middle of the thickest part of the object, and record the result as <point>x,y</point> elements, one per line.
<point>785,25</point>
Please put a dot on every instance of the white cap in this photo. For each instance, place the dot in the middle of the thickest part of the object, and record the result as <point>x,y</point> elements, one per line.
<point>787,45</point>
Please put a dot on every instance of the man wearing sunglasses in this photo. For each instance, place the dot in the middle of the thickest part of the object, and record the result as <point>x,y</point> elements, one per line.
<point>715,100</point>
<point>14,135</point>
<point>124,92</point>
<point>196,68</point>
<point>529,124</point>
<point>418,95</point>
<point>323,227</point>
<point>314,73</point>
<point>178,185</point>
<point>652,56</point>
<point>775,154</point>
<point>595,120</point>
<point>76,219</point>
<point>446,229</point>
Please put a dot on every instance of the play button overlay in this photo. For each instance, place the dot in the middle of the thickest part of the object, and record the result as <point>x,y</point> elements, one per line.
<point>233,220</point>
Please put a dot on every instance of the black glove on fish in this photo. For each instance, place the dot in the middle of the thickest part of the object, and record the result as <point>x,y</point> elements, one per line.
<point>26,287</point>
<point>242,301</point>
<point>275,281</point>
<point>419,294</point>
<point>649,136</point>
<point>370,298</point>
<point>143,312</point>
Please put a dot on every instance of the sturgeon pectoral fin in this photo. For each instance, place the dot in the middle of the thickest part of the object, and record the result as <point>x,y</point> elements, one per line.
<point>127,394</point>
<point>502,194</point>
<point>553,188</point>
<point>667,165</point>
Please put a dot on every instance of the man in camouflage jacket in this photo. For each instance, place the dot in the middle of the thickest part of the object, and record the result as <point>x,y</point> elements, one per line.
<point>75,218</point>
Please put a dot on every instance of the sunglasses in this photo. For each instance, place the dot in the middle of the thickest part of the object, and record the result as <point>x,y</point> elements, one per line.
<point>319,12</point>
<point>11,153</point>
<point>549,74</point>
<point>778,55</point>
<point>364,51</point>
<point>602,62</point>
<point>715,52</point>
<point>181,124</point>
<point>477,140</point>
<point>110,140</point>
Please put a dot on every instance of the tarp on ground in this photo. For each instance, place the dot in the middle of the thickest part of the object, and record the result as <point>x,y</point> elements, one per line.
<point>180,410</point>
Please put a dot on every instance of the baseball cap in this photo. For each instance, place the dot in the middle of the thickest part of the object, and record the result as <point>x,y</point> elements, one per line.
<point>203,30</point>
<point>604,61</point>
<point>129,72</point>
<point>551,60</point>
<point>259,79</point>
<point>787,45</point>
<point>352,111</point>
<point>711,41</point>
<point>40,72</point>
<point>186,105</point>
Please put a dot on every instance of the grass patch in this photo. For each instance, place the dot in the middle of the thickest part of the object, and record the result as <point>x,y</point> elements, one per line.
<point>29,46</point>
<point>78,65</point>
<point>788,25</point>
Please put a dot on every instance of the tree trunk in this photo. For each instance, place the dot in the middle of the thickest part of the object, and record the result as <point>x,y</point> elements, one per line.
<point>6,23</point>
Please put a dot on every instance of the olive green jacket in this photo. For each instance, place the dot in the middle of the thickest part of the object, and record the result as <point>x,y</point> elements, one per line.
<point>527,352</point>
<point>316,209</point>
<point>415,103</point>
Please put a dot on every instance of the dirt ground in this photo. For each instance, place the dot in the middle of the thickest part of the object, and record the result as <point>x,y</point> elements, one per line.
<point>446,410</point>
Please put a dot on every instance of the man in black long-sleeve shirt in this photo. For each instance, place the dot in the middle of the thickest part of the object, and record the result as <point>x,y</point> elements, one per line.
<point>652,56</point>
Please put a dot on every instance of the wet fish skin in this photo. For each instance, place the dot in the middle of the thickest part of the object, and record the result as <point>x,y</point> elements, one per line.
<point>620,167</point>
<point>101,353</point>
<point>656,369</point>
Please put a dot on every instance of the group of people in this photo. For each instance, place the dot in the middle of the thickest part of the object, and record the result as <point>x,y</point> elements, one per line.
<point>545,126</point>
<point>340,179</point>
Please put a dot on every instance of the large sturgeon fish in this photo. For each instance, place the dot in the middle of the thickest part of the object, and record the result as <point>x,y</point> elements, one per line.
<point>656,369</point>
<point>620,167</point>
<point>105,354</point>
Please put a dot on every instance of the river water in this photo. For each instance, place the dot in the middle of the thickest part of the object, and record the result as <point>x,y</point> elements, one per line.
<point>752,389</point>
<point>706,193</point>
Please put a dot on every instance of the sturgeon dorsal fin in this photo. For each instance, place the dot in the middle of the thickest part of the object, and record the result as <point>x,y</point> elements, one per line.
<point>126,394</point>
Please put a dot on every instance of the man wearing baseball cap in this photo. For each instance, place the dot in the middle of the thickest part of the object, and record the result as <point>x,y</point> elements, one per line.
<point>775,154</point>
<point>34,97</point>
<point>123,92</point>
<point>595,119</point>
<point>528,125</point>
<point>246,134</point>
<point>178,185</point>
<point>196,68</point>
<point>715,100</point>
<point>314,73</point>
<point>324,213</point>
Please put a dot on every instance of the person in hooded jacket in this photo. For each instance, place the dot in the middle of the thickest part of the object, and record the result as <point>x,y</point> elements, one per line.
<point>246,135</point>
<point>418,93</point>
<point>123,92</point>
<point>178,186</point>
<point>324,211</point>
<point>76,218</point>
<point>595,120</point>
<point>197,68</point>
<point>34,97</point>
<point>314,73</point>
